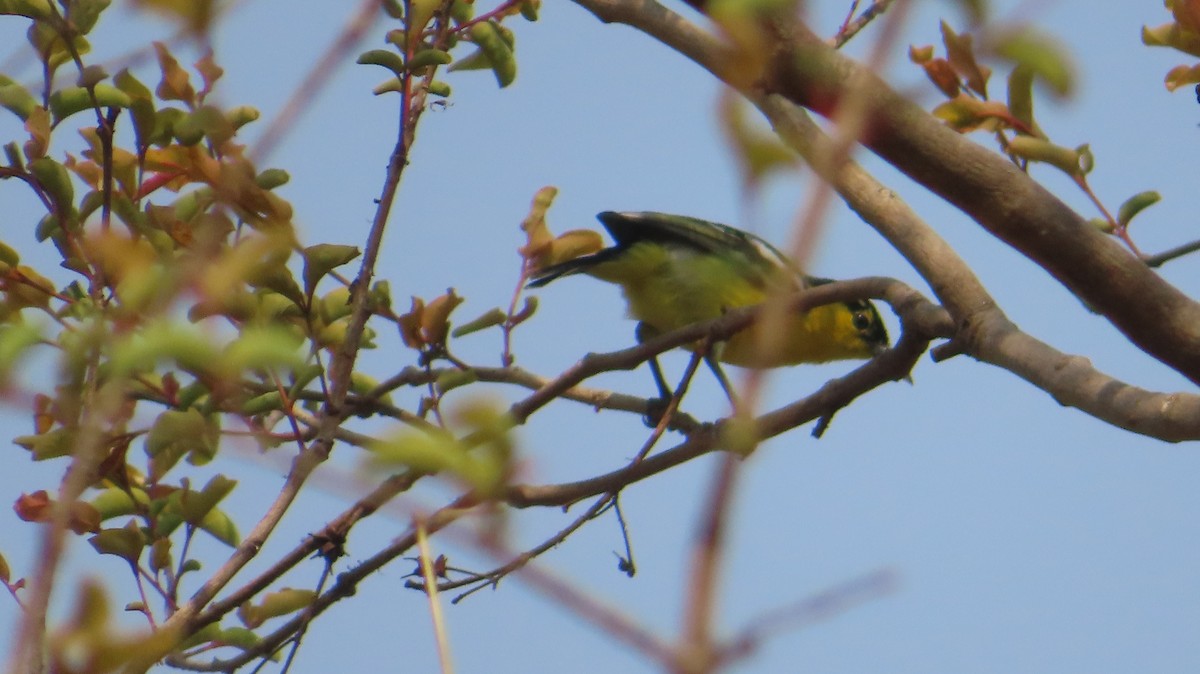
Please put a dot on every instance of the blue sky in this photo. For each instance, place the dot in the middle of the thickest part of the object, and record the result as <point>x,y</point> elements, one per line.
<point>1023,536</point>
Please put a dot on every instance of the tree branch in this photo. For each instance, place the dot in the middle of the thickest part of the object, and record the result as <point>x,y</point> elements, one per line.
<point>983,329</point>
<point>1153,314</point>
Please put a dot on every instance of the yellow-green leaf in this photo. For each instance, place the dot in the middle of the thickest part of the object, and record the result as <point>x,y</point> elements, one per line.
<point>16,98</point>
<point>385,58</point>
<point>323,258</point>
<point>196,505</point>
<point>275,604</point>
<point>1074,162</point>
<point>126,542</point>
<point>116,502</point>
<point>492,318</point>
<point>499,53</point>
<point>1041,54</point>
<point>429,57</point>
<point>179,433</point>
<point>221,527</point>
<point>33,9</point>
<point>1136,204</point>
<point>56,181</point>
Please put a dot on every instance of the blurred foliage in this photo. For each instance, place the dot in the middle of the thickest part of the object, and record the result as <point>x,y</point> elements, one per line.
<point>184,311</point>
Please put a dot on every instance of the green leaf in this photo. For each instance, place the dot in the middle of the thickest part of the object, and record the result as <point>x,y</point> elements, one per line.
<point>476,60</point>
<point>275,604</point>
<point>483,465</point>
<point>422,12</point>
<point>1136,204</point>
<point>221,527</point>
<point>204,122</point>
<point>462,11</point>
<point>1074,162</point>
<point>429,57</point>
<point>453,378</point>
<point>323,258</point>
<point>192,349</point>
<point>179,433</point>
<point>66,102</point>
<point>49,445</point>
<point>116,502</point>
<point>91,75</point>
<point>33,9</point>
<point>496,316</point>
<point>54,178</point>
<point>272,178</point>
<point>498,51</point>
<point>165,121</point>
<point>242,115</point>
<point>385,58</point>
<point>759,153</point>
<point>393,85</point>
<point>261,347</point>
<point>237,637</point>
<point>16,98</point>
<point>85,13</point>
<point>9,257</point>
<point>1020,94</point>
<point>1041,54</point>
<point>274,275</point>
<point>195,505</point>
<point>13,154</point>
<point>161,558</point>
<point>126,542</point>
<point>267,402</point>
<point>393,8</point>
<point>15,340</point>
<point>335,305</point>
<point>49,44</point>
<point>141,106</point>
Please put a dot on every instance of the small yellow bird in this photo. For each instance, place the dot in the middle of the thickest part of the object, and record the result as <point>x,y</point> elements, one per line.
<point>675,271</point>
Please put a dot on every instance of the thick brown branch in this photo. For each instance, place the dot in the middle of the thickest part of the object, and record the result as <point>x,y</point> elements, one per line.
<point>1154,315</point>
<point>1171,417</point>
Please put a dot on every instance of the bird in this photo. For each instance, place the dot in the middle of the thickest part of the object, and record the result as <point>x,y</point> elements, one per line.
<point>676,270</point>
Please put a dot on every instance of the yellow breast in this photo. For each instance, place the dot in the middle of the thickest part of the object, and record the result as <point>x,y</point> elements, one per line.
<point>670,287</point>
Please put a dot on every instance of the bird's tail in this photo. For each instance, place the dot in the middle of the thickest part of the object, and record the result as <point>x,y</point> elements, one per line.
<point>577,265</point>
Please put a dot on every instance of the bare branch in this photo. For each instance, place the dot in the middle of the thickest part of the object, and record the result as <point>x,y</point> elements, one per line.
<point>1166,256</point>
<point>984,331</point>
<point>853,25</point>
<point>1153,314</point>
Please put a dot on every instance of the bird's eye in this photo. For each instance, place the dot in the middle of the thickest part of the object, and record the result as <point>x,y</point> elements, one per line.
<point>861,321</point>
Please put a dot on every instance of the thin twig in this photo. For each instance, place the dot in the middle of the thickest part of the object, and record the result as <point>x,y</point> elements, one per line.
<point>1166,256</point>
<point>330,61</point>
<point>435,604</point>
<point>850,28</point>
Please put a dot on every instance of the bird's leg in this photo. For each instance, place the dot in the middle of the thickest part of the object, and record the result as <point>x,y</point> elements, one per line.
<point>656,406</point>
<point>664,391</point>
<point>711,359</point>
